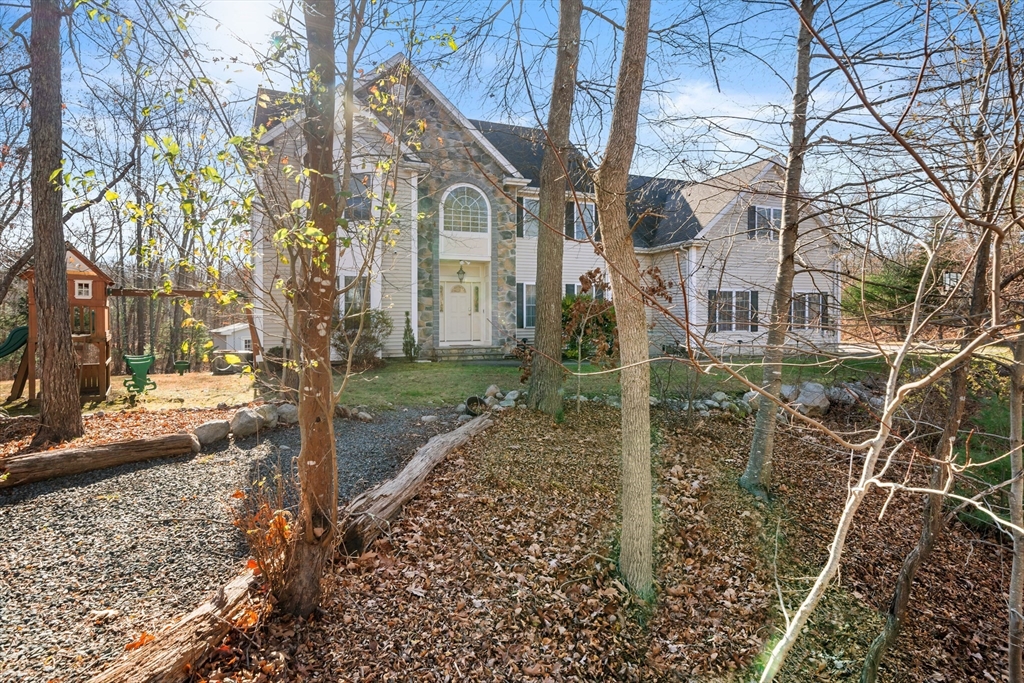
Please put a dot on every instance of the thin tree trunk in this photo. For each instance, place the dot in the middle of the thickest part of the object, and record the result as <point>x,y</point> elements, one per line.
<point>546,375</point>
<point>635,557</point>
<point>1016,602</point>
<point>757,477</point>
<point>60,413</point>
<point>318,468</point>
<point>940,477</point>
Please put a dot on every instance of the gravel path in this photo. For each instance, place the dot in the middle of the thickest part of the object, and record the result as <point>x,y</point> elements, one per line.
<point>149,540</point>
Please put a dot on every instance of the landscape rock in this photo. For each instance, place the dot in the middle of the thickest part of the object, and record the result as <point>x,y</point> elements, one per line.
<point>268,416</point>
<point>512,396</point>
<point>490,401</point>
<point>342,412</point>
<point>245,422</point>
<point>507,403</point>
<point>719,397</point>
<point>752,399</point>
<point>709,403</point>
<point>212,431</point>
<point>876,402</point>
<point>492,390</point>
<point>222,406</point>
<point>840,396</point>
<point>428,418</point>
<point>747,408</point>
<point>465,417</point>
<point>288,413</point>
<point>363,416</point>
<point>812,399</point>
<point>654,401</point>
<point>789,392</point>
<point>461,409</point>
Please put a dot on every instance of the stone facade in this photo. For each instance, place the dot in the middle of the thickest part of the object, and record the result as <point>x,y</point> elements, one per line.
<point>455,157</point>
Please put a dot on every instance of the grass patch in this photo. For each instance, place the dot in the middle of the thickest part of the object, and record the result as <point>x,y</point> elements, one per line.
<point>399,383</point>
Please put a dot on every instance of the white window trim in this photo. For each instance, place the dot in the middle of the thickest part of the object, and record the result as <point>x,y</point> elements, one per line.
<point>535,216</point>
<point>773,235</point>
<point>807,326</point>
<point>83,282</point>
<point>534,325</point>
<point>444,198</point>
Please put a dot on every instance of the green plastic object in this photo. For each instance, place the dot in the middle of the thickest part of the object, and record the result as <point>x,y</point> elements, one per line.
<point>15,340</point>
<point>181,366</point>
<point>139,382</point>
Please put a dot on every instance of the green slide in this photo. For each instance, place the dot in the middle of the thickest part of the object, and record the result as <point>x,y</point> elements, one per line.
<point>15,340</point>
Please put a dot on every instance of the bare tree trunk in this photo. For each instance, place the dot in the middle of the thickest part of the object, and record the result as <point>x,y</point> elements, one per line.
<point>636,539</point>
<point>318,469</point>
<point>546,375</point>
<point>14,271</point>
<point>60,413</point>
<point>1016,601</point>
<point>757,477</point>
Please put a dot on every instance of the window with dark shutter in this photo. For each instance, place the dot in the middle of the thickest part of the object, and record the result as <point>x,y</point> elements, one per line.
<point>570,290</point>
<point>570,220</point>
<point>519,305</point>
<point>753,311</point>
<point>519,217</point>
<point>751,222</point>
<point>824,311</point>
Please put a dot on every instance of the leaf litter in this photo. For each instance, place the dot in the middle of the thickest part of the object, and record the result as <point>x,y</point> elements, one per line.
<point>504,569</point>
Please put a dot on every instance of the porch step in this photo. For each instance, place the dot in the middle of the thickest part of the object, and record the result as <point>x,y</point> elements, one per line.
<point>467,353</point>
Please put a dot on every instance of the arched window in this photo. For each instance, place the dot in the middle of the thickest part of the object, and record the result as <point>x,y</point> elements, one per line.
<point>465,209</point>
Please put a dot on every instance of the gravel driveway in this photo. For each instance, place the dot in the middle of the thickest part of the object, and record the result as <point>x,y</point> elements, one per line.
<point>149,540</point>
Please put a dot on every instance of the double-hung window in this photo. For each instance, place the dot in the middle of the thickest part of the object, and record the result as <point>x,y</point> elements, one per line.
<point>529,217</point>
<point>356,294</point>
<point>526,305</point>
<point>732,310</point>
<point>763,222</point>
<point>809,311</point>
<point>581,220</point>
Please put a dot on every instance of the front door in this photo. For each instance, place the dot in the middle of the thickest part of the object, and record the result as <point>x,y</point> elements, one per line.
<point>458,314</point>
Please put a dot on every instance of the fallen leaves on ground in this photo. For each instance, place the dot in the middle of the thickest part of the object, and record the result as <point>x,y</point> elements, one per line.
<point>109,427</point>
<point>503,569</point>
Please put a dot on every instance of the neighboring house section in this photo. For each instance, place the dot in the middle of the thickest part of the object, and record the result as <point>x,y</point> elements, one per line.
<point>460,251</point>
<point>235,337</point>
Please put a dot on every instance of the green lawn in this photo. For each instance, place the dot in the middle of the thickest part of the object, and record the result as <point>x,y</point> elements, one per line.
<point>401,383</point>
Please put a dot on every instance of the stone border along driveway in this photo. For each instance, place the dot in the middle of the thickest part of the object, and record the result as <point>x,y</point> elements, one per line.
<point>91,561</point>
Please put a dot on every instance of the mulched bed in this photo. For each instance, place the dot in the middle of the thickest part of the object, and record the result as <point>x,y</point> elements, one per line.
<point>105,427</point>
<point>503,569</point>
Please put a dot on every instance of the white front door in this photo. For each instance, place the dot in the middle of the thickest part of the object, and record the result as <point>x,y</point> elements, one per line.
<point>458,313</point>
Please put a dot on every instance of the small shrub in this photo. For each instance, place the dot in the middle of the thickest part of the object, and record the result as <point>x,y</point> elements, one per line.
<point>267,526</point>
<point>377,326</point>
<point>409,346</point>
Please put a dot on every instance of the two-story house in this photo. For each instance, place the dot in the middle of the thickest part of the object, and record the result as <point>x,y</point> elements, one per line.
<point>459,252</point>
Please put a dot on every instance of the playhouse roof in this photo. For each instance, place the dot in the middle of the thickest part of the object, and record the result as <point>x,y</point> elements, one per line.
<point>78,263</point>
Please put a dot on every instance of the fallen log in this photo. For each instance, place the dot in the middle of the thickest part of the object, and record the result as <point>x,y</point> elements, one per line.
<point>29,467</point>
<point>365,517</point>
<point>178,649</point>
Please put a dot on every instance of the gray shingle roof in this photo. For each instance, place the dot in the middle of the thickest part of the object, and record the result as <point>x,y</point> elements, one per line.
<point>524,148</point>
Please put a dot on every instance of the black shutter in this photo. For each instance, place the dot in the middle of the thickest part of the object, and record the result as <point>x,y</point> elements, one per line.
<point>712,311</point>
<point>753,311</point>
<point>824,311</point>
<point>570,220</point>
<point>597,226</point>
<point>751,222</point>
<point>520,299</point>
<point>520,217</point>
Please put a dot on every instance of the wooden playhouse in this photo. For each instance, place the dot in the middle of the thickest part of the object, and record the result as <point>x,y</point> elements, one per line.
<point>88,291</point>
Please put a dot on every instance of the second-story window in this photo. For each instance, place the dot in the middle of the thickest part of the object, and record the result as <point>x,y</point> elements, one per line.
<point>465,210</point>
<point>763,222</point>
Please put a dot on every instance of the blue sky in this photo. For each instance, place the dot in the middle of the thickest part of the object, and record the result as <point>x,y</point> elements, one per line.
<point>683,86</point>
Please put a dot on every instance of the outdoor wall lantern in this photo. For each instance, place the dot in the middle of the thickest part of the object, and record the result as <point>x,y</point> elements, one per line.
<point>461,272</point>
